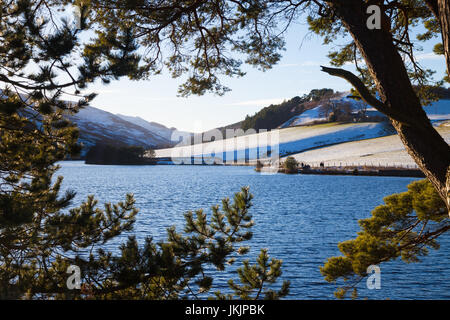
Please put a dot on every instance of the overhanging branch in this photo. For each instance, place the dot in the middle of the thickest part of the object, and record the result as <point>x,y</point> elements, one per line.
<point>365,94</point>
<point>357,84</point>
<point>434,7</point>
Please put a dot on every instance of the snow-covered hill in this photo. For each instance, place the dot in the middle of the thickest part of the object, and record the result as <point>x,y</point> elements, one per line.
<point>437,111</point>
<point>171,134</point>
<point>291,140</point>
<point>384,151</point>
<point>98,126</point>
<point>328,134</point>
<point>306,117</point>
<point>301,139</point>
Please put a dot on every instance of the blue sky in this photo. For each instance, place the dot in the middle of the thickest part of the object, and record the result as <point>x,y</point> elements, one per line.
<point>297,73</point>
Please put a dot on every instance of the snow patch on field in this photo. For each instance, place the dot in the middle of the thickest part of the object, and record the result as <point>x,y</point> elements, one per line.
<point>323,142</point>
<point>439,110</point>
<point>306,117</point>
<point>325,135</point>
<point>384,151</point>
<point>289,140</point>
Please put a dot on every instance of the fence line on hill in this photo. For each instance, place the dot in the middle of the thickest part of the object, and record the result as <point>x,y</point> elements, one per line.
<point>374,165</point>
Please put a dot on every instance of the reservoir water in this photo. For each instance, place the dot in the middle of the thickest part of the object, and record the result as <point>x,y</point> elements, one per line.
<point>299,218</point>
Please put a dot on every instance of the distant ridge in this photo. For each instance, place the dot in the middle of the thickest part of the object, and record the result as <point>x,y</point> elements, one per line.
<point>171,134</point>
<point>97,126</point>
<point>101,127</point>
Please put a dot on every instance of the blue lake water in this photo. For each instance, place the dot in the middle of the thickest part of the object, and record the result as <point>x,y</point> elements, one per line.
<point>299,218</point>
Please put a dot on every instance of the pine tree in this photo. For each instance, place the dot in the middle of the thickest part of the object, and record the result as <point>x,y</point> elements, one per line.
<point>42,234</point>
<point>290,165</point>
<point>406,226</point>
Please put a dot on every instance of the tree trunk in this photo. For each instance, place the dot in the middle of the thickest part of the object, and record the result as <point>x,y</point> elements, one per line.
<point>428,149</point>
<point>444,20</point>
<point>441,10</point>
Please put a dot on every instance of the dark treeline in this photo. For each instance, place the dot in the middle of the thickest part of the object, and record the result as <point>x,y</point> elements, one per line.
<point>116,155</point>
<point>441,92</point>
<point>274,115</point>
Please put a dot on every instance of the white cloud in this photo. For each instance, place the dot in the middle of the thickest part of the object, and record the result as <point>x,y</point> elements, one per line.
<point>311,63</point>
<point>429,56</point>
<point>352,63</point>
<point>308,63</point>
<point>258,103</point>
<point>162,99</point>
<point>103,91</point>
<point>287,65</point>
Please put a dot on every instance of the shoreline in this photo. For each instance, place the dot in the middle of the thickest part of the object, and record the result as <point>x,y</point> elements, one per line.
<point>347,171</point>
<point>411,173</point>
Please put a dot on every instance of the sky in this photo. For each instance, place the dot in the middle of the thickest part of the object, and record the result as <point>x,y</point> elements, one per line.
<point>297,73</point>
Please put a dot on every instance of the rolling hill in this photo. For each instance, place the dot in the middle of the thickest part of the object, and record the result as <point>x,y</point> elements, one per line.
<point>102,127</point>
<point>301,139</point>
<point>383,151</point>
<point>170,134</point>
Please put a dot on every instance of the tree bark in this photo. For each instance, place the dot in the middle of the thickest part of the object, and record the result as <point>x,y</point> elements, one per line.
<point>444,20</point>
<point>428,149</point>
<point>441,10</point>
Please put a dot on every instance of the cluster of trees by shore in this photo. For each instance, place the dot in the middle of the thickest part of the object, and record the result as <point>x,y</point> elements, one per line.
<point>119,155</point>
